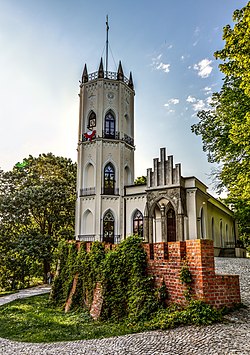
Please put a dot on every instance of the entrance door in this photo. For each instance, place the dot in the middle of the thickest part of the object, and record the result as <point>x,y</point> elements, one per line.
<point>171,226</point>
<point>109,227</point>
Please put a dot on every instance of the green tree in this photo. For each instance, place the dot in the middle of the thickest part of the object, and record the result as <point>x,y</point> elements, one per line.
<point>141,180</point>
<point>225,128</point>
<point>236,52</point>
<point>36,211</point>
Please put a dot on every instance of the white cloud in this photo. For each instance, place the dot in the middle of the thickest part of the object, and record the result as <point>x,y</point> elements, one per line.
<point>204,68</point>
<point>174,101</point>
<point>209,100</point>
<point>182,57</point>
<point>170,46</point>
<point>170,103</point>
<point>199,105</point>
<point>163,66</point>
<point>191,99</point>
<point>157,64</point>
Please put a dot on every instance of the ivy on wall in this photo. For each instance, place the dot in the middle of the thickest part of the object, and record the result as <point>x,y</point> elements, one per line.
<point>128,291</point>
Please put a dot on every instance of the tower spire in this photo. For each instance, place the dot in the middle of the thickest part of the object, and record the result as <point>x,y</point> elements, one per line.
<point>107,43</point>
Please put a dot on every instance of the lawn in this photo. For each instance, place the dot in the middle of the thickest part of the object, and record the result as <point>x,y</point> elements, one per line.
<point>34,320</point>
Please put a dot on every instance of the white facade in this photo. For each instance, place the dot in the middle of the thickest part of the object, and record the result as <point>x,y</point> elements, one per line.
<point>109,207</point>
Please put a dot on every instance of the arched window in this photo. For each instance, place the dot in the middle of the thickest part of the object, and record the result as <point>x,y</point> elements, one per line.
<point>89,173</point>
<point>127,176</point>
<point>88,225</point>
<point>171,225</point>
<point>138,223</point>
<point>109,227</point>
<point>109,126</point>
<point>109,179</point>
<point>92,120</point>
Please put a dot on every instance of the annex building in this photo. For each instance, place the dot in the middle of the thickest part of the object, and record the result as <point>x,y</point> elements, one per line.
<point>109,207</point>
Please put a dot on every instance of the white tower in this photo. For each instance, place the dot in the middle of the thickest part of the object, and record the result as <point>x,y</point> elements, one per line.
<point>105,154</point>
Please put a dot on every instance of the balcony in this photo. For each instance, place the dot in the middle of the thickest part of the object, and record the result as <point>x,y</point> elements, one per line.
<point>110,191</point>
<point>107,75</point>
<point>111,135</point>
<point>116,239</point>
<point>128,139</point>
<point>88,191</point>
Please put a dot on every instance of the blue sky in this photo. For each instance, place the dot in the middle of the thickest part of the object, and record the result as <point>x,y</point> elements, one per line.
<point>167,44</point>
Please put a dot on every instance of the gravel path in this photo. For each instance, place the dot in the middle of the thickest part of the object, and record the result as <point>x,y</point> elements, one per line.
<point>231,337</point>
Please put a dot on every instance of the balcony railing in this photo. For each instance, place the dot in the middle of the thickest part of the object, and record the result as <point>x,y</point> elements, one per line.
<point>93,238</point>
<point>109,135</point>
<point>86,238</point>
<point>107,75</point>
<point>110,191</point>
<point>128,139</point>
<point>88,191</point>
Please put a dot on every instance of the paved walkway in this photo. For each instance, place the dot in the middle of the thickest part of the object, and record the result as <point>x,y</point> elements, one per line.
<point>231,337</point>
<point>28,292</point>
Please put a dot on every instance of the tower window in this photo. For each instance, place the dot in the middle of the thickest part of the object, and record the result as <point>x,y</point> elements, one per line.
<point>92,120</point>
<point>108,227</point>
<point>109,126</point>
<point>109,179</point>
<point>138,223</point>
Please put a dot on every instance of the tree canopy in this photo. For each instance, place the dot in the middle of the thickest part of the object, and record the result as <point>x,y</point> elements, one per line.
<point>225,128</point>
<point>36,211</point>
<point>140,180</point>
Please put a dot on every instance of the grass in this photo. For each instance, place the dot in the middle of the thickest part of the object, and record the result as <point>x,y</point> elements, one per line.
<point>34,320</point>
<point>6,293</point>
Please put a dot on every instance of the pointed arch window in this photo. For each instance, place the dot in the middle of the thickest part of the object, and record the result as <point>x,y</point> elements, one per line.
<point>138,223</point>
<point>109,227</point>
<point>171,225</point>
<point>109,125</point>
<point>109,179</point>
<point>92,120</point>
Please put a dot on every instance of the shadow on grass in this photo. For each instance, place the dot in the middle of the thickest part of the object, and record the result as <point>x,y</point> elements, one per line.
<point>34,320</point>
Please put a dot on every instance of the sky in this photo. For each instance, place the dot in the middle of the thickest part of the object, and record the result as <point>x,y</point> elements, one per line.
<point>167,44</point>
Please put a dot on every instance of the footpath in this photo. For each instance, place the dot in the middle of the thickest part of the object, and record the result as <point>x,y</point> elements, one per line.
<point>227,338</point>
<point>28,292</point>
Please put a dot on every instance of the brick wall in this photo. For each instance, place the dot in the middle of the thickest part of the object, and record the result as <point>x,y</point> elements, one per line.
<point>164,262</point>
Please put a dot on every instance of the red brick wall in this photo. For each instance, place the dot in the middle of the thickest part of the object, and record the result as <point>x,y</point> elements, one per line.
<point>165,264</point>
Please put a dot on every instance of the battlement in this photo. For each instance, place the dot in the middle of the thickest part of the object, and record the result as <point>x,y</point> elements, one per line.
<point>165,262</point>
